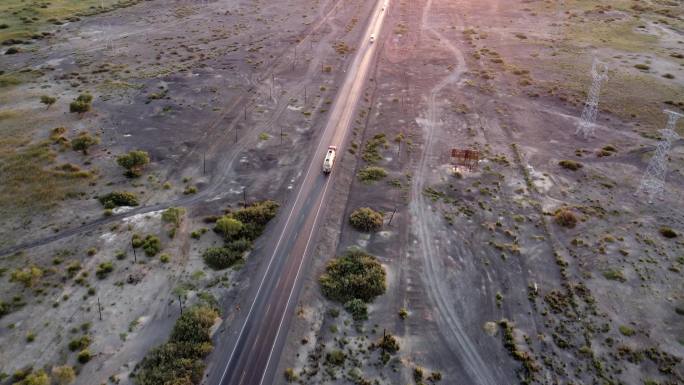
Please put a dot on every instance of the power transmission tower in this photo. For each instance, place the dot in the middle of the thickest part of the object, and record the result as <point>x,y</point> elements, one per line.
<point>653,181</point>
<point>599,73</point>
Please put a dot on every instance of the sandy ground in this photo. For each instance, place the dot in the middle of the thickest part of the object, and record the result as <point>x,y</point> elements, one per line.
<point>465,252</point>
<point>592,304</point>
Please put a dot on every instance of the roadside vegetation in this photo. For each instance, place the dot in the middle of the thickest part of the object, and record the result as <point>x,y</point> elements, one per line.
<point>354,280</point>
<point>239,230</point>
<point>366,219</point>
<point>180,361</point>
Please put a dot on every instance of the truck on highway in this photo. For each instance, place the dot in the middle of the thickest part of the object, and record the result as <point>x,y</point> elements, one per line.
<point>329,159</point>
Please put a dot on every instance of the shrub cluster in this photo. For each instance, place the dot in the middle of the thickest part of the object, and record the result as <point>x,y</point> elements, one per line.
<point>133,162</point>
<point>353,276</point>
<point>83,142</point>
<point>570,165</point>
<point>180,361</point>
<point>565,217</point>
<point>239,230</point>
<point>366,219</point>
<point>118,198</point>
<point>371,174</point>
<point>151,245</point>
<point>81,104</point>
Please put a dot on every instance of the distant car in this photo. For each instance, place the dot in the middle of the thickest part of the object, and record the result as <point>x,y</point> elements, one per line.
<point>329,160</point>
<point>372,38</point>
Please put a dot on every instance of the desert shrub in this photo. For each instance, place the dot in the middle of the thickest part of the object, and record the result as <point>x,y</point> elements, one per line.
<point>63,375</point>
<point>418,374</point>
<point>136,241</point>
<point>173,215</point>
<point>48,100</point>
<point>354,275</point>
<point>239,229</point>
<point>335,357</point>
<point>357,308</point>
<point>570,165</point>
<point>435,377</point>
<point>180,360</point>
<point>219,258</point>
<point>165,258</point>
<point>228,226</point>
<point>84,356</point>
<point>614,275</point>
<point>103,269</point>
<point>83,142</point>
<point>371,152</point>
<point>5,308</point>
<point>290,375</point>
<point>36,378</point>
<point>28,276</point>
<point>667,232</point>
<point>79,343</point>
<point>151,245</point>
<point>81,104</point>
<point>259,213</point>
<point>565,217</point>
<point>403,313</point>
<point>133,162</point>
<point>118,198</point>
<point>371,174</point>
<point>366,219</point>
<point>388,343</point>
<point>239,245</point>
<point>626,330</point>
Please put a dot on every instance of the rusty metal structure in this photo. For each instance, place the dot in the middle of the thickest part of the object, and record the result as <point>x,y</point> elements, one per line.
<point>465,158</point>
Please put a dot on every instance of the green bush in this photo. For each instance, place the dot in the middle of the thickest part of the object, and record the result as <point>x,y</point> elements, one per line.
<point>366,219</point>
<point>626,330</point>
<point>173,215</point>
<point>357,308</point>
<point>79,343</point>
<point>220,258</point>
<point>63,374</point>
<point>259,213</point>
<point>667,232</point>
<point>28,276</point>
<point>118,198</point>
<point>180,361</point>
<point>290,375</point>
<point>83,142</point>
<point>48,100</point>
<point>103,269</point>
<point>389,344</point>
<point>614,275</point>
<point>133,162</point>
<point>84,356</point>
<point>371,174</point>
<point>151,245</point>
<point>335,357</point>
<point>36,378</point>
<point>570,165</point>
<point>81,104</point>
<point>354,275</point>
<point>228,226</point>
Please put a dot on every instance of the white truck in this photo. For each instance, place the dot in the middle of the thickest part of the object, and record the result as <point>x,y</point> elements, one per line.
<point>329,159</point>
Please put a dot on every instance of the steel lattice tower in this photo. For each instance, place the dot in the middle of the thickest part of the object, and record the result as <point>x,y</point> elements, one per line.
<point>653,180</point>
<point>586,125</point>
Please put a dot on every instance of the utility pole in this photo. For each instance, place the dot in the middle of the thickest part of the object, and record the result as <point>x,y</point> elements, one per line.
<point>281,135</point>
<point>204,163</point>
<point>304,94</point>
<point>392,216</point>
<point>180,304</point>
<point>135,256</point>
<point>99,308</point>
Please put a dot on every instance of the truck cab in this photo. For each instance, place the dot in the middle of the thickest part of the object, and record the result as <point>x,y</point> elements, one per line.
<point>329,159</point>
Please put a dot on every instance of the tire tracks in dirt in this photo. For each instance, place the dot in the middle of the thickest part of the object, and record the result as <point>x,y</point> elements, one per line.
<point>438,293</point>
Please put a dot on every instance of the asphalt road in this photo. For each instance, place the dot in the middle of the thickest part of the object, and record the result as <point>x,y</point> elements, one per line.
<point>257,346</point>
